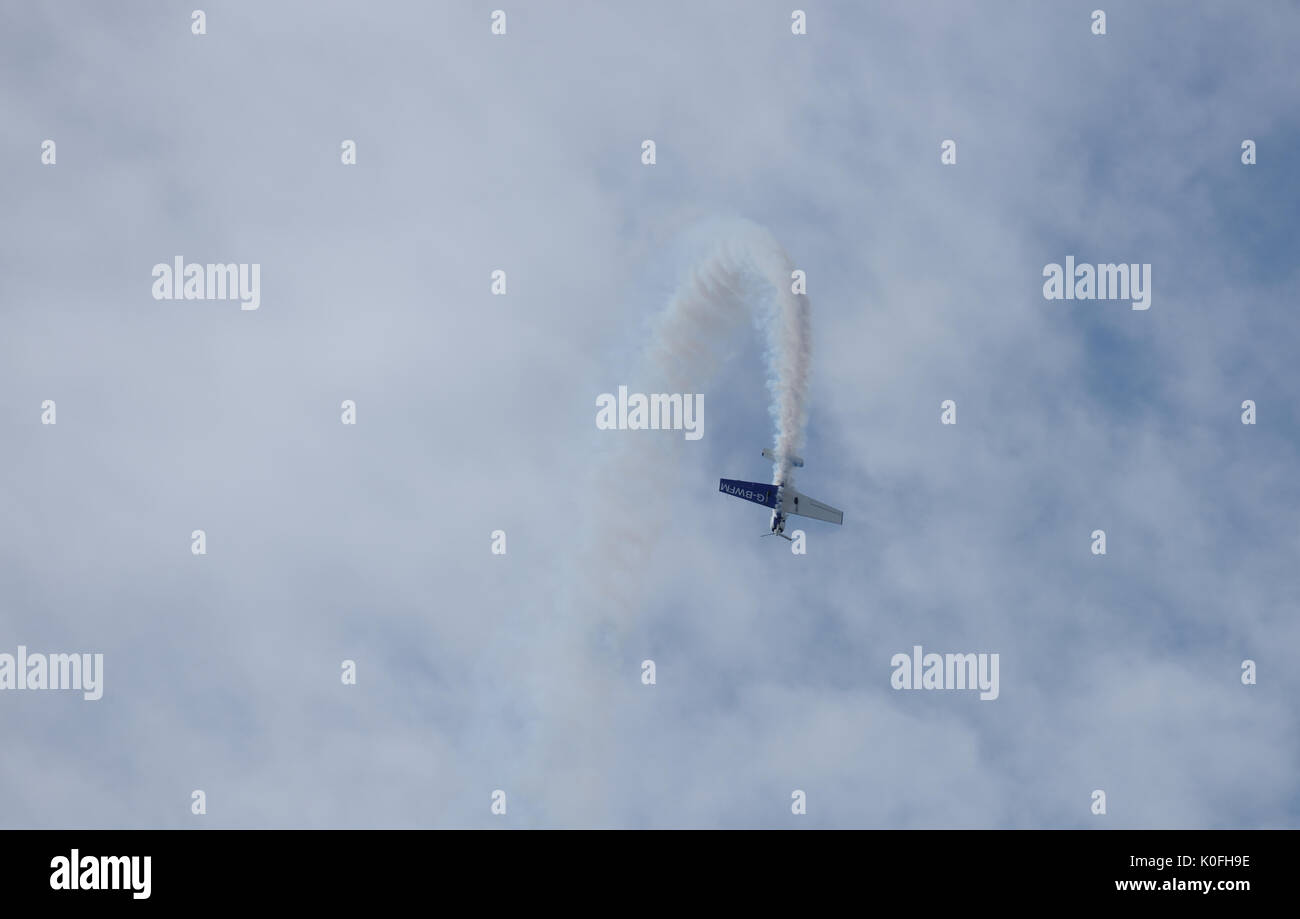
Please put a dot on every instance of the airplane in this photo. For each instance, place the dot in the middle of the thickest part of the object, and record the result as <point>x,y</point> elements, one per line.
<point>782,499</point>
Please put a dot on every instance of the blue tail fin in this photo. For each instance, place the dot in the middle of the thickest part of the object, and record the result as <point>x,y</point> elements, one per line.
<point>750,491</point>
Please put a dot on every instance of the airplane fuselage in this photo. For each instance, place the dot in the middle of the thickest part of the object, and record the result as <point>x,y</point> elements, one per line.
<point>778,517</point>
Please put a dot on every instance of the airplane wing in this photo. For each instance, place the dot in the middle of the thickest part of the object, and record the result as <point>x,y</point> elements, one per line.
<point>804,506</point>
<point>750,491</point>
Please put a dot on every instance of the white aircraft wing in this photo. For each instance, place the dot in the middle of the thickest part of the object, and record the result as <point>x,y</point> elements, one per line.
<point>804,506</point>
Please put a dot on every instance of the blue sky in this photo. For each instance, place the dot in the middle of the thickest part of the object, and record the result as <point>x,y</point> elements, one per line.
<point>475,413</point>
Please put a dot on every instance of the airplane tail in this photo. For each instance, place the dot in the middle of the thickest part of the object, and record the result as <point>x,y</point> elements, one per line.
<point>758,492</point>
<point>772,455</point>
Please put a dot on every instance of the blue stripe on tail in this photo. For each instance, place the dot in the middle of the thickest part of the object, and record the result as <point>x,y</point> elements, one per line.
<point>750,491</point>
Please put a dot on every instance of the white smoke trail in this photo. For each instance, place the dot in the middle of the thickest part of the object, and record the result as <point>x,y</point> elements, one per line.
<point>743,272</point>
<point>588,671</point>
<point>746,267</point>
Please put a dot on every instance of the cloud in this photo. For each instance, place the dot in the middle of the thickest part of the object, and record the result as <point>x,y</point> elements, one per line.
<point>478,672</point>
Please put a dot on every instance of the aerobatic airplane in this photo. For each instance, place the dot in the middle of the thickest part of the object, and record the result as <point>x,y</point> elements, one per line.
<point>782,499</point>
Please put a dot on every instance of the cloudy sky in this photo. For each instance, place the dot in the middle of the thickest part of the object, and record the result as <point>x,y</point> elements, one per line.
<point>475,413</point>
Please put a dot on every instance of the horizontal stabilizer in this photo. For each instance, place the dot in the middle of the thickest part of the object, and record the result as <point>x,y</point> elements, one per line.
<point>794,460</point>
<point>804,506</point>
<point>750,491</point>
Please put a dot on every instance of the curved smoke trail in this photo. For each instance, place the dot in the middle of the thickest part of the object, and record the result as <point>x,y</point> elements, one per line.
<point>743,272</point>
<point>589,666</point>
<point>747,267</point>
